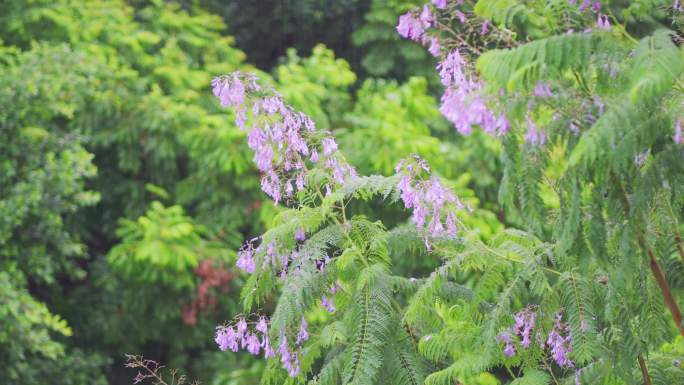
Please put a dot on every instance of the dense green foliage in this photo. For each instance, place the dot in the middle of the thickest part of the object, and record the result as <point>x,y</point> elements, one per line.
<point>126,191</point>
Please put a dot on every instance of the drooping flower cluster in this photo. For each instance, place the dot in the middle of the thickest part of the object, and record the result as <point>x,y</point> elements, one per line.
<point>327,300</point>
<point>534,135</point>
<point>558,341</point>
<point>254,338</point>
<point>463,102</point>
<point>414,24</point>
<point>522,329</point>
<point>603,23</point>
<point>560,345</point>
<point>239,335</point>
<point>283,140</point>
<point>433,204</point>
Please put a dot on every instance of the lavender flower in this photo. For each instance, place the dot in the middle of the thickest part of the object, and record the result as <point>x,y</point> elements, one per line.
<point>410,26</point>
<point>542,90</point>
<point>603,23</point>
<point>303,335</point>
<point>485,27</point>
<point>226,338</point>
<point>329,146</point>
<point>524,324</point>
<point>268,350</point>
<point>427,197</point>
<point>253,344</point>
<point>440,4</point>
<point>560,346</point>
<point>678,136</point>
<point>463,103</point>
<point>282,139</point>
<point>262,326</point>
<point>534,136</point>
<point>229,91</point>
<point>245,260</point>
<point>509,349</point>
<point>300,235</point>
<point>328,304</point>
<point>426,16</point>
<point>241,328</point>
<point>435,47</point>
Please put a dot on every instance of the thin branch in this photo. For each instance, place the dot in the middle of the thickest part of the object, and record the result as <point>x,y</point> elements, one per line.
<point>644,371</point>
<point>653,263</point>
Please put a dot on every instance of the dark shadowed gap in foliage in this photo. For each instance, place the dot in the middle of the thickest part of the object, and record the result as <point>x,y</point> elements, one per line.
<point>265,29</point>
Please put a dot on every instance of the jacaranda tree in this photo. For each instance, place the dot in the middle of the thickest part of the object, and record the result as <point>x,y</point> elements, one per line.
<point>583,285</point>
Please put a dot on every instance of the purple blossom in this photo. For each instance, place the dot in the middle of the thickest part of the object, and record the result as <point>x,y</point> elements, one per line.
<point>226,338</point>
<point>229,91</point>
<point>426,16</point>
<point>282,139</point>
<point>463,102</point>
<point>435,47</point>
<point>461,16</point>
<point>440,4</point>
<point>268,350</point>
<point>427,197</point>
<point>534,136</point>
<point>485,27</point>
<point>329,146</point>
<point>560,346</point>
<point>509,349</point>
<point>678,136</point>
<point>603,23</point>
<point>245,260</point>
<point>262,326</point>
<point>677,6</point>
<point>300,235</point>
<point>241,328</point>
<point>328,304</point>
<point>253,344</point>
<point>303,335</point>
<point>542,90</point>
<point>410,26</point>
<point>524,324</point>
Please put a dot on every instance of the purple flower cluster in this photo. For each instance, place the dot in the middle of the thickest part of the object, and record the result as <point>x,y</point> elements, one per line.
<point>559,340</point>
<point>432,203</point>
<point>522,329</point>
<point>282,139</point>
<point>327,301</point>
<point>280,262</point>
<point>534,135</point>
<point>603,23</point>
<point>245,255</point>
<point>238,335</point>
<point>679,135</point>
<point>413,25</point>
<point>463,102</point>
<point>560,345</point>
